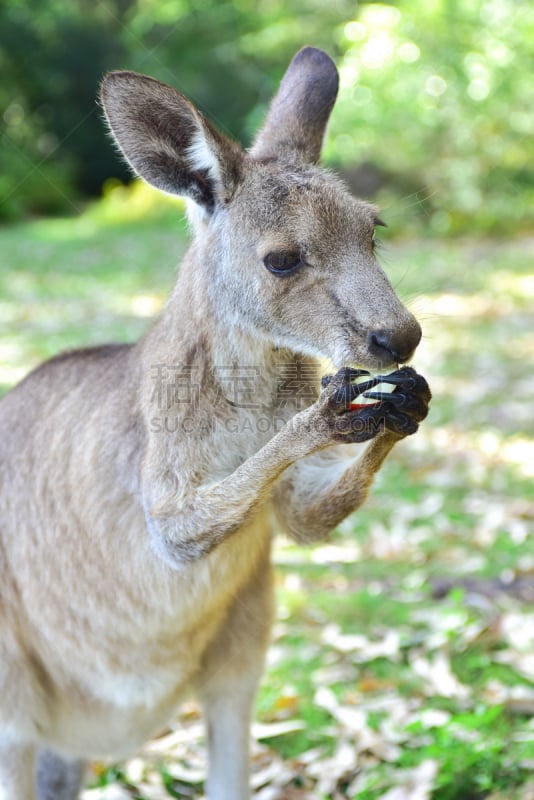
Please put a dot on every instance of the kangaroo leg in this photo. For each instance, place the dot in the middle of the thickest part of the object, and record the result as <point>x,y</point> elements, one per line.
<point>228,683</point>
<point>58,778</point>
<point>228,714</point>
<point>17,767</point>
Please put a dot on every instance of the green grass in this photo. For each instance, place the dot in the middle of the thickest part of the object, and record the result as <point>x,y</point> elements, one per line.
<point>438,676</point>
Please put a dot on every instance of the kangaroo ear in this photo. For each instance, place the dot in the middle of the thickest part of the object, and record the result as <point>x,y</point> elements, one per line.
<point>167,141</point>
<point>299,112</point>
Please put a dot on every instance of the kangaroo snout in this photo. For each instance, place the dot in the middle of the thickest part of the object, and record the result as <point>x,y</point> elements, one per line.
<point>395,346</point>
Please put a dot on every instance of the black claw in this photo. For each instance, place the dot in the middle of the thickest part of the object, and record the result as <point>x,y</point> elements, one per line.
<point>345,395</point>
<point>350,374</point>
<point>373,395</point>
<point>344,376</point>
<point>360,388</point>
<point>401,380</point>
<point>350,392</point>
<point>398,399</point>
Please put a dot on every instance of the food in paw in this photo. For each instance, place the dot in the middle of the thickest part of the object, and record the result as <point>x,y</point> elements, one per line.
<point>381,388</point>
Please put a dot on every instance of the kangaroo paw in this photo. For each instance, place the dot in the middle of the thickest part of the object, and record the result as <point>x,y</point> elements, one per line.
<point>401,411</point>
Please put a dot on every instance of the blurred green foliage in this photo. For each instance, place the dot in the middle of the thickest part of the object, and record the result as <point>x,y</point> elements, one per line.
<point>439,94</point>
<point>434,116</point>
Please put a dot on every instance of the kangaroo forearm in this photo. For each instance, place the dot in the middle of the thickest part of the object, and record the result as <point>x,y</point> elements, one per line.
<point>189,527</point>
<point>310,510</point>
<point>201,524</point>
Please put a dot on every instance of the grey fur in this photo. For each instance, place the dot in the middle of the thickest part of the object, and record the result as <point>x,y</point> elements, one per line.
<point>136,525</point>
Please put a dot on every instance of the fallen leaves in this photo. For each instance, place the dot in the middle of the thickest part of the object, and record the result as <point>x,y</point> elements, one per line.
<point>437,678</point>
<point>403,660</point>
<point>414,784</point>
<point>361,647</point>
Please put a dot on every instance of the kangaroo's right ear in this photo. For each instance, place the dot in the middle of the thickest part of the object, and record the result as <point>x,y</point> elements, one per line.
<point>167,141</point>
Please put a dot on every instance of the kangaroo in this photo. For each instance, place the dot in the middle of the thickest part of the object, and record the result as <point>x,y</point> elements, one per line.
<point>139,482</point>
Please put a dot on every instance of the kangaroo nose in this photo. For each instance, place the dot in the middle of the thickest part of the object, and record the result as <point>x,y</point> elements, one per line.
<point>394,346</point>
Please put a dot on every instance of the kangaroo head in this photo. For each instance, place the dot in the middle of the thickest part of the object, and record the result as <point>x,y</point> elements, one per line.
<point>286,252</point>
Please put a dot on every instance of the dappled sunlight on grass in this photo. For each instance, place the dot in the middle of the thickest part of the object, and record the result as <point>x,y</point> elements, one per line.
<point>144,305</point>
<point>13,362</point>
<point>397,640</point>
<point>78,282</point>
<point>66,229</point>
<point>465,307</point>
<point>519,288</point>
<point>121,206</point>
<point>453,506</point>
<point>490,448</point>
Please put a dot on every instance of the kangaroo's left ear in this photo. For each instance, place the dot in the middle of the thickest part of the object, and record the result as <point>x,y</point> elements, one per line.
<point>168,142</point>
<point>297,119</point>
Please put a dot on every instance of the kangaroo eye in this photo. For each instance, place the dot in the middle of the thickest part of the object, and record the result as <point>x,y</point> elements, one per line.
<point>282,263</point>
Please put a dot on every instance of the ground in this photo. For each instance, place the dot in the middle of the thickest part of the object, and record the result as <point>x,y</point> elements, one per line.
<point>402,666</point>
